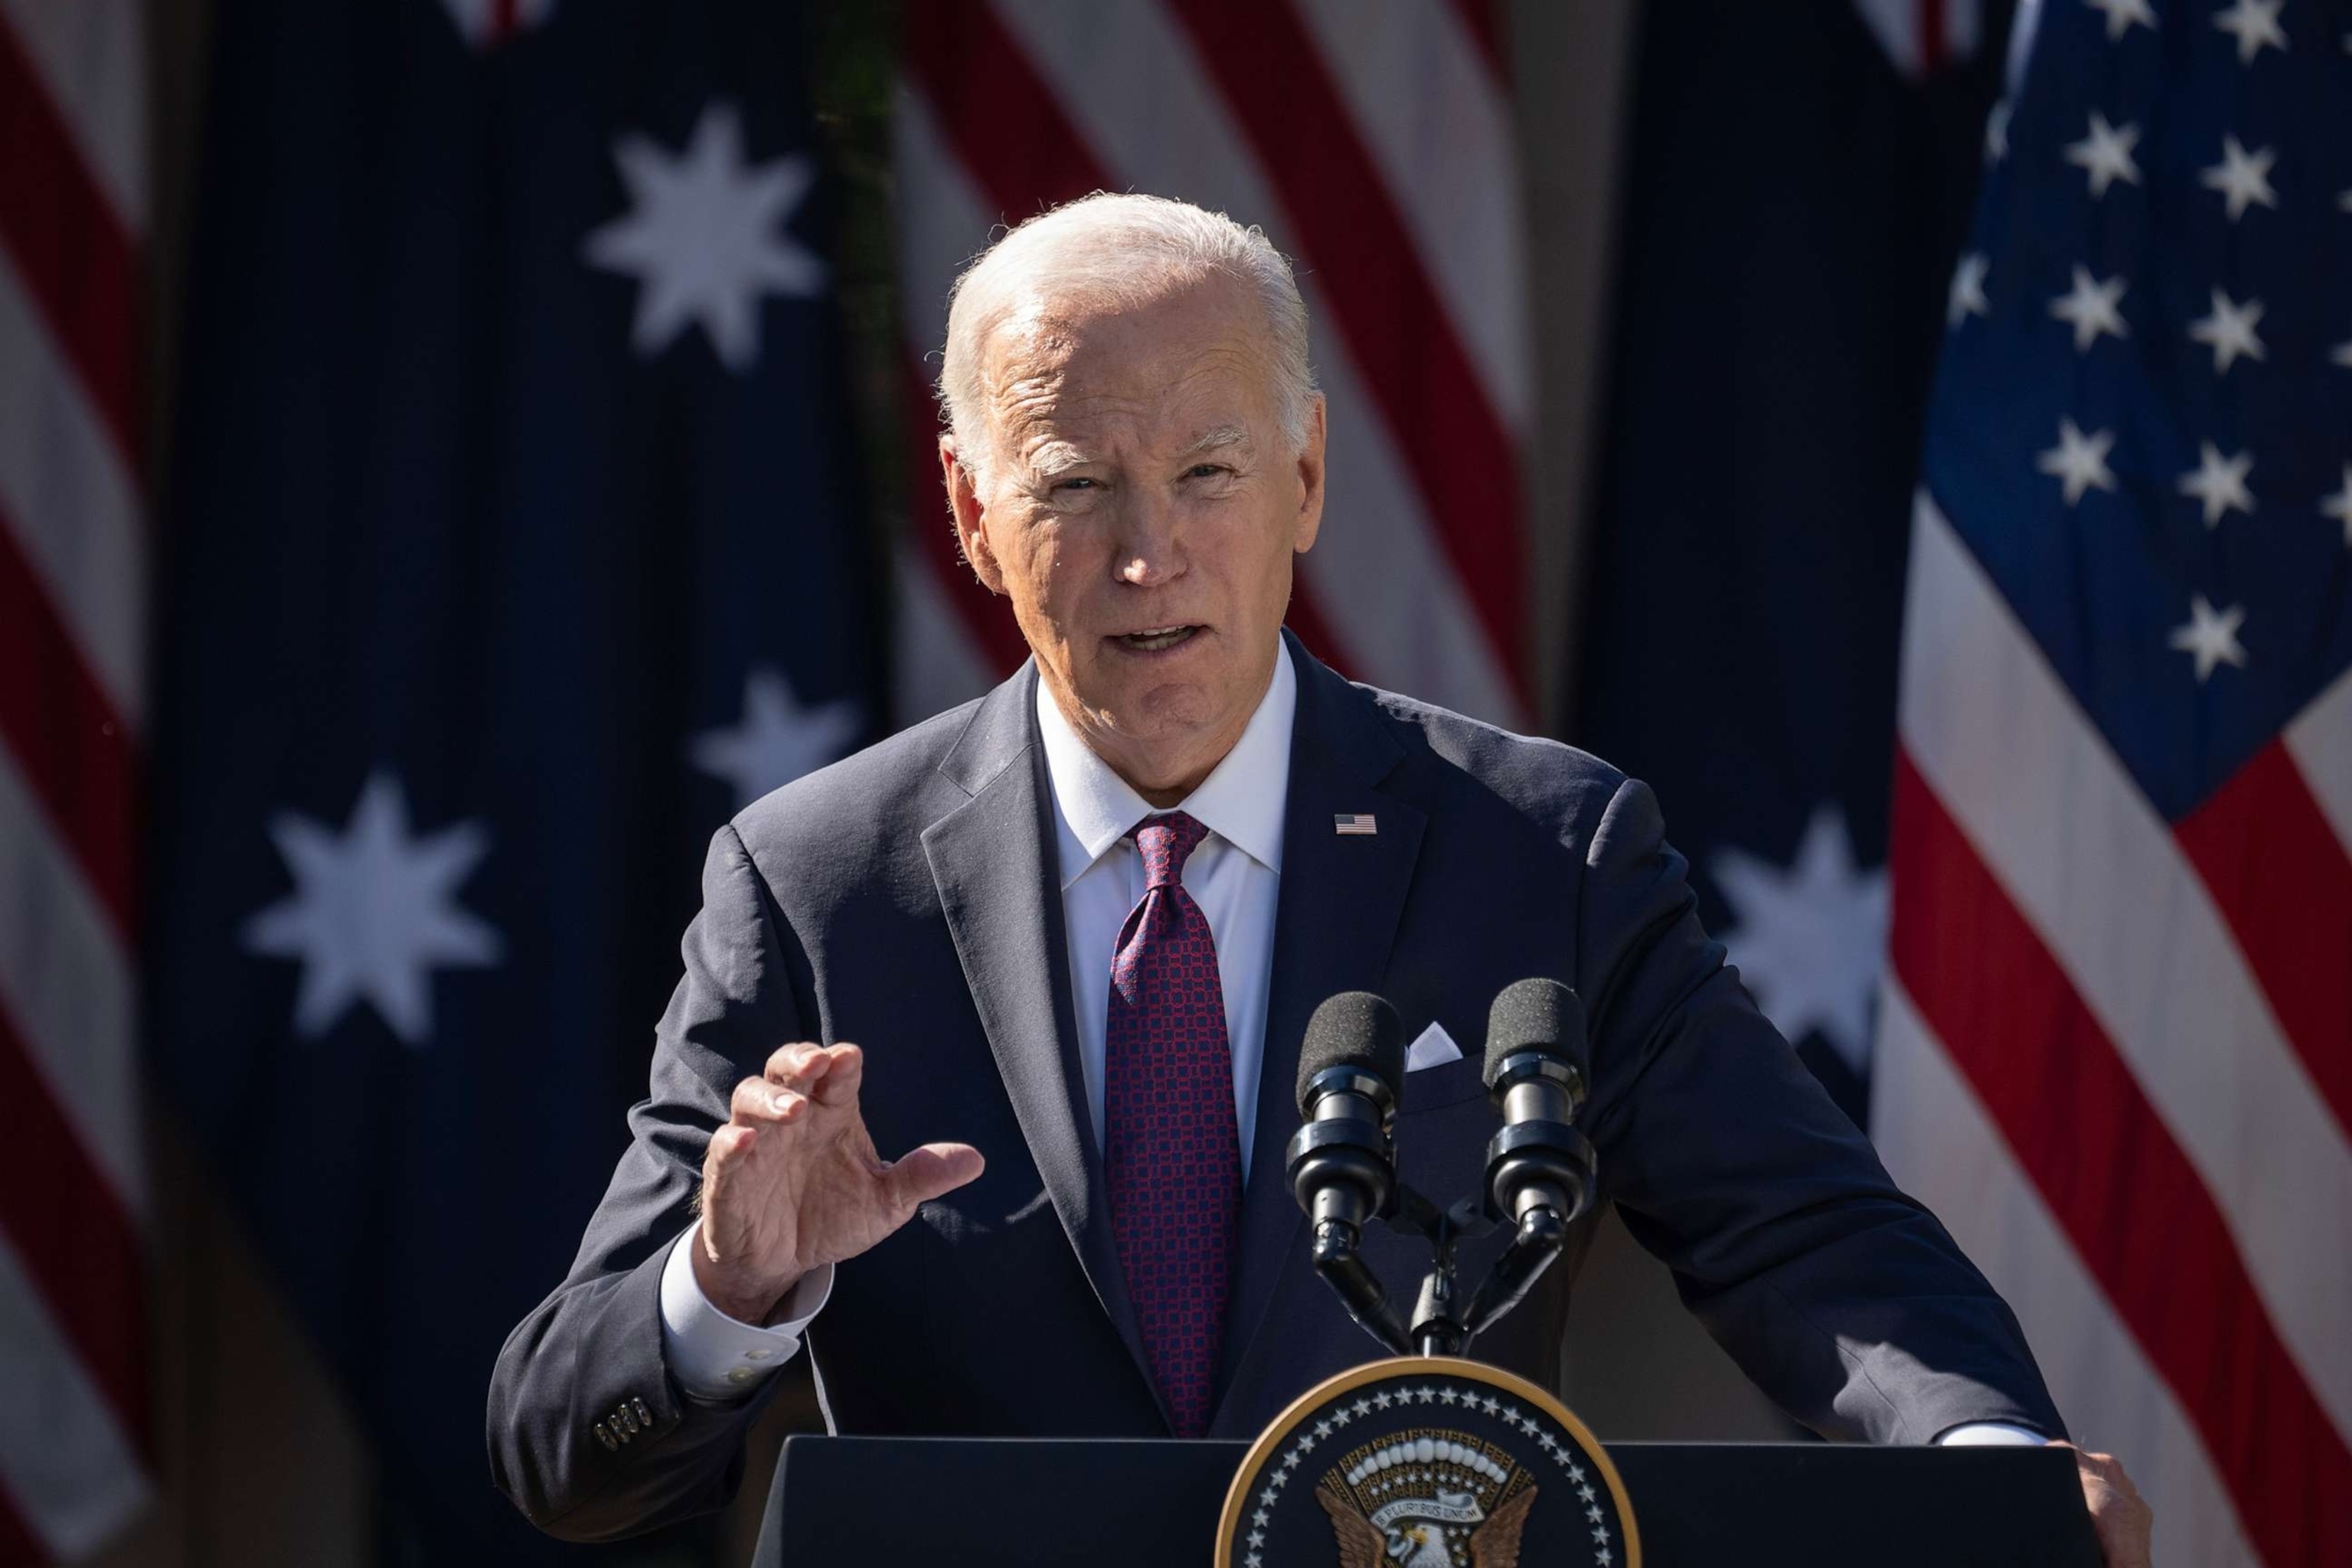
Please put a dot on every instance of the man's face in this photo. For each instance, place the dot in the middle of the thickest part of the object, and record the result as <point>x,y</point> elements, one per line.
<point>1140,511</point>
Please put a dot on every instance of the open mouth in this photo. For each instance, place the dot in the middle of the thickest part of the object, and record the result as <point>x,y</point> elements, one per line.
<point>1156,640</point>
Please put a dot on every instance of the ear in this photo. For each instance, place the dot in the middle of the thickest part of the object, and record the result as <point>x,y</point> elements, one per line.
<point>1309,520</point>
<point>971,517</point>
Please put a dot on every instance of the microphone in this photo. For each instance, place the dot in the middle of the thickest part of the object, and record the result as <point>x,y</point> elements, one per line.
<point>1342,1165</point>
<point>1539,1168</point>
<point>1343,1160</point>
<point>1537,1075</point>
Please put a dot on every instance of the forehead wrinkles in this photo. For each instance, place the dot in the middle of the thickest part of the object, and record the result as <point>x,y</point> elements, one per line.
<point>1055,388</point>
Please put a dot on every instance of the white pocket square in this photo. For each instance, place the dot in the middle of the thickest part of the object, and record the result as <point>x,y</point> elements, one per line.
<point>1433,1047</point>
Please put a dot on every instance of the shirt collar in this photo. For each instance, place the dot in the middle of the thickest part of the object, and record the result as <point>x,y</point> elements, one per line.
<point>1241,801</point>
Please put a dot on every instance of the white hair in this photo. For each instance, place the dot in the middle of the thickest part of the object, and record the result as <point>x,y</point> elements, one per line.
<point>1121,251</point>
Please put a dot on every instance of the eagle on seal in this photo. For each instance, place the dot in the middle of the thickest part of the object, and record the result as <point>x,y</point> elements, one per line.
<point>1494,1545</point>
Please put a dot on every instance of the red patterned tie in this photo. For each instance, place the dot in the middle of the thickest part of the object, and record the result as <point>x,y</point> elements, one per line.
<point>1171,1148</point>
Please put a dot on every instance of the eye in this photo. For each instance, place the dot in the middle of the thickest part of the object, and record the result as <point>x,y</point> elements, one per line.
<point>1076,484</point>
<point>1204,470</point>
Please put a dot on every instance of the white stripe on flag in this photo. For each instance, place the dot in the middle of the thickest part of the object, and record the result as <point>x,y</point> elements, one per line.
<point>2087,860</point>
<point>1424,100</point>
<point>68,985</point>
<point>67,488</point>
<point>1129,78</point>
<point>1944,1151</point>
<point>70,1469</point>
<point>943,222</point>
<point>938,666</point>
<point>2320,741</point>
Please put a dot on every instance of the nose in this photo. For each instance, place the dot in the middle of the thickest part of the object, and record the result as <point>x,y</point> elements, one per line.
<point>1150,549</point>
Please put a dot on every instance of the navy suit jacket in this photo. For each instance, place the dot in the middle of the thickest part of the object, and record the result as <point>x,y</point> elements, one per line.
<point>905,899</point>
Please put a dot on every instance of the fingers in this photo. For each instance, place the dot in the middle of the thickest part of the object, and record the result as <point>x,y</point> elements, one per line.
<point>2125,1524</point>
<point>827,1074</point>
<point>758,1101</point>
<point>935,1169</point>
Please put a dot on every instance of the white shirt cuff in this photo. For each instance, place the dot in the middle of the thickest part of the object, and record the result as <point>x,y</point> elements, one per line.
<point>1992,1435</point>
<point>712,1356</point>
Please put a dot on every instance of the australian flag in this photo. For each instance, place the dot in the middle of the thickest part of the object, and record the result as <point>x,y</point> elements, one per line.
<point>1801,178</point>
<point>514,545</point>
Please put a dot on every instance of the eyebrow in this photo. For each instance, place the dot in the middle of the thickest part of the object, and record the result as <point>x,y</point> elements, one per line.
<point>1217,439</point>
<point>1056,457</point>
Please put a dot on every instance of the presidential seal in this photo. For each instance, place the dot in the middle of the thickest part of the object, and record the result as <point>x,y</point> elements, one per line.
<point>1426,1462</point>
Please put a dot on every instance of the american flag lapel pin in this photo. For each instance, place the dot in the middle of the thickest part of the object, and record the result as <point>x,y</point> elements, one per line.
<point>1357,823</point>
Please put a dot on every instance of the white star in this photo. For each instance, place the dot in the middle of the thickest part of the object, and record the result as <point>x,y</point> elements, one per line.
<point>2091,307</point>
<point>777,740</point>
<point>2211,637</point>
<point>1592,1512</point>
<point>1448,1396</point>
<point>2105,154</point>
<point>2243,178</point>
<point>1967,297</point>
<point>2229,331</point>
<point>2079,460</point>
<point>2220,482</point>
<point>2122,14</point>
<point>702,238</point>
<point>1810,938</point>
<point>2339,506</point>
<point>1489,1406</point>
<point>2253,23</point>
<point>1996,138</point>
<point>373,913</point>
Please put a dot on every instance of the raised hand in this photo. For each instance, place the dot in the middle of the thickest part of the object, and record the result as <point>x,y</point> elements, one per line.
<point>791,1182</point>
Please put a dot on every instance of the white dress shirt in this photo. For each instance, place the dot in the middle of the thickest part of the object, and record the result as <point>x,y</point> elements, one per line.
<point>1235,877</point>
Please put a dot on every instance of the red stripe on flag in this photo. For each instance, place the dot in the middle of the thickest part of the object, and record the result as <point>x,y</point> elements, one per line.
<point>1932,52</point>
<point>79,263</point>
<point>1483,20</point>
<point>17,1541</point>
<point>56,723</point>
<point>1460,454</point>
<point>2283,882</point>
<point>60,1214</point>
<point>1001,118</point>
<point>2144,1225</point>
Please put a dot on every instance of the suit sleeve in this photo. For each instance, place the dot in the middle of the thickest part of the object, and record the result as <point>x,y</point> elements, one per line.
<point>592,1352</point>
<point>1841,1297</point>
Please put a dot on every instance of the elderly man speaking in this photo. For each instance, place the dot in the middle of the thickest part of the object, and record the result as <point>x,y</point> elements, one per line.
<point>1076,928</point>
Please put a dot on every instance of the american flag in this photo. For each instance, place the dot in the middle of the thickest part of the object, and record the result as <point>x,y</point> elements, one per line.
<point>2115,1045</point>
<point>73,572</point>
<point>1374,146</point>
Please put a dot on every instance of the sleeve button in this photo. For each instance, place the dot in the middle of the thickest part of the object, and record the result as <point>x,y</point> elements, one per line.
<point>605,1437</point>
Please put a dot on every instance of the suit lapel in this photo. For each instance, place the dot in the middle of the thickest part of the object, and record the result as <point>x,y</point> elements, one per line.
<point>1334,922</point>
<point>993,861</point>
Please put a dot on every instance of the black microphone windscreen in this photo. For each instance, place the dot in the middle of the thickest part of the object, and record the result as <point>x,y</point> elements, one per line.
<point>1354,1029</point>
<point>1535,1016</point>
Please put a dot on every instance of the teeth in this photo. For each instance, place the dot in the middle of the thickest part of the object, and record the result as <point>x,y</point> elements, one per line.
<point>1160,638</point>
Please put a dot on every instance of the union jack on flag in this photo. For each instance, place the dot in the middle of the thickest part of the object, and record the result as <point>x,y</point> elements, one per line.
<point>2115,1050</point>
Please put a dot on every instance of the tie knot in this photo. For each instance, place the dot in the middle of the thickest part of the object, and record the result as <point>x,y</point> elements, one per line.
<point>1167,842</point>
